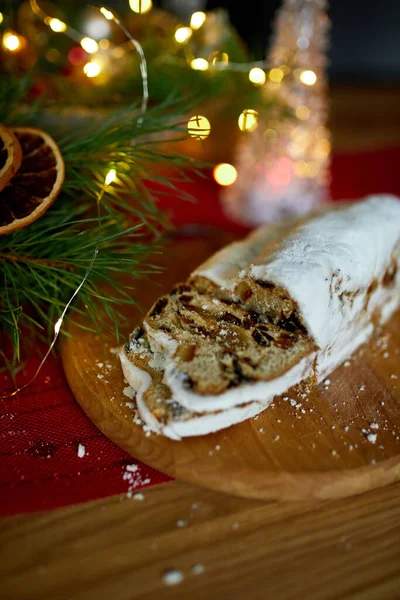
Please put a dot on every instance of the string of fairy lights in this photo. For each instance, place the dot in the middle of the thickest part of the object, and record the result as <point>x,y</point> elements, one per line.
<point>199,126</point>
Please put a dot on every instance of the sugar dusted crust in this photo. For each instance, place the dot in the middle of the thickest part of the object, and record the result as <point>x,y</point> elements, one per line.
<point>264,314</point>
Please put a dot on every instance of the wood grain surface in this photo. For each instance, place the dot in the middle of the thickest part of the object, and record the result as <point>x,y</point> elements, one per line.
<point>331,441</point>
<point>120,549</point>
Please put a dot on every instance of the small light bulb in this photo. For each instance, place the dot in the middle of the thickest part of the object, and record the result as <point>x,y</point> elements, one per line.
<point>225,174</point>
<point>199,127</point>
<point>57,325</point>
<point>248,120</point>
<point>106,13</point>
<point>197,19</point>
<point>308,77</point>
<point>257,76</point>
<point>111,177</point>
<point>1,17</point>
<point>89,45</point>
<point>92,69</point>
<point>199,64</point>
<point>183,34</point>
<point>141,6</point>
<point>11,42</point>
<point>57,25</point>
<point>276,75</point>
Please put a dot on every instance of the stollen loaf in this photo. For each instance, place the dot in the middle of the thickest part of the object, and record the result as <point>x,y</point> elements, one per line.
<point>282,306</point>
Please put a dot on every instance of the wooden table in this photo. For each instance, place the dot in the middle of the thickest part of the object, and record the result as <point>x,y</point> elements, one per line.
<point>119,548</point>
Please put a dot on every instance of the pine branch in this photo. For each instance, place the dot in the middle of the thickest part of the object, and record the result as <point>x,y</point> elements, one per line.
<point>42,264</point>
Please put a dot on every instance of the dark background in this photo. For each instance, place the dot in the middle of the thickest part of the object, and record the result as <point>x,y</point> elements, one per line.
<point>365,43</point>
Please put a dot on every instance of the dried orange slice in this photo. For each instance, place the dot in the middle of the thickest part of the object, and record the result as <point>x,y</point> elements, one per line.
<point>36,184</point>
<point>10,155</point>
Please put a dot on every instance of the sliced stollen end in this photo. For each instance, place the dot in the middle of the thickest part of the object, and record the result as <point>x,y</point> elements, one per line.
<point>158,408</point>
<point>339,272</point>
<point>213,345</point>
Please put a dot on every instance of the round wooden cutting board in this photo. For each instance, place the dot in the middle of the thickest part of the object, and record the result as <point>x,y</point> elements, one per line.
<point>339,439</point>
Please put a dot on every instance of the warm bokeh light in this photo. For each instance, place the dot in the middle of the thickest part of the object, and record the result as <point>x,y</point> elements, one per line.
<point>308,77</point>
<point>257,76</point>
<point>322,148</point>
<point>11,42</point>
<point>110,177</point>
<point>279,173</point>
<point>141,6</point>
<point>106,13</point>
<point>89,45</point>
<point>92,69</point>
<point>118,52</point>
<point>199,64</point>
<point>302,112</point>
<point>97,28</point>
<point>225,174</point>
<point>248,120</point>
<point>52,55</point>
<point>1,17</point>
<point>199,127</point>
<point>197,19</point>
<point>276,75</point>
<point>57,25</point>
<point>183,34</point>
<point>104,44</point>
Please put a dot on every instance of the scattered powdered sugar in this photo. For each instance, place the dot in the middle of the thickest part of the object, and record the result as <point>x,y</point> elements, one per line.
<point>372,437</point>
<point>133,477</point>
<point>173,577</point>
<point>198,569</point>
<point>374,425</point>
<point>131,468</point>
<point>100,376</point>
<point>100,365</point>
<point>346,363</point>
<point>116,350</point>
<point>327,382</point>
<point>81,450</point>
<point>362,388</point>
<point>129,392</point>
<point>181,523</point>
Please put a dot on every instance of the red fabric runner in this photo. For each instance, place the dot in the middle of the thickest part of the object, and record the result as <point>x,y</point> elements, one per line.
<point>41,428</point>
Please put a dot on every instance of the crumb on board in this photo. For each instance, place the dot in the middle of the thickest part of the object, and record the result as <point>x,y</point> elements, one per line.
<point>129,392</point>
<point>173,577</point>
<point>181,523</point>
<point>138,496</point>
<point>81,450</point>
<point>372,437</point>
<point>198,569</point>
